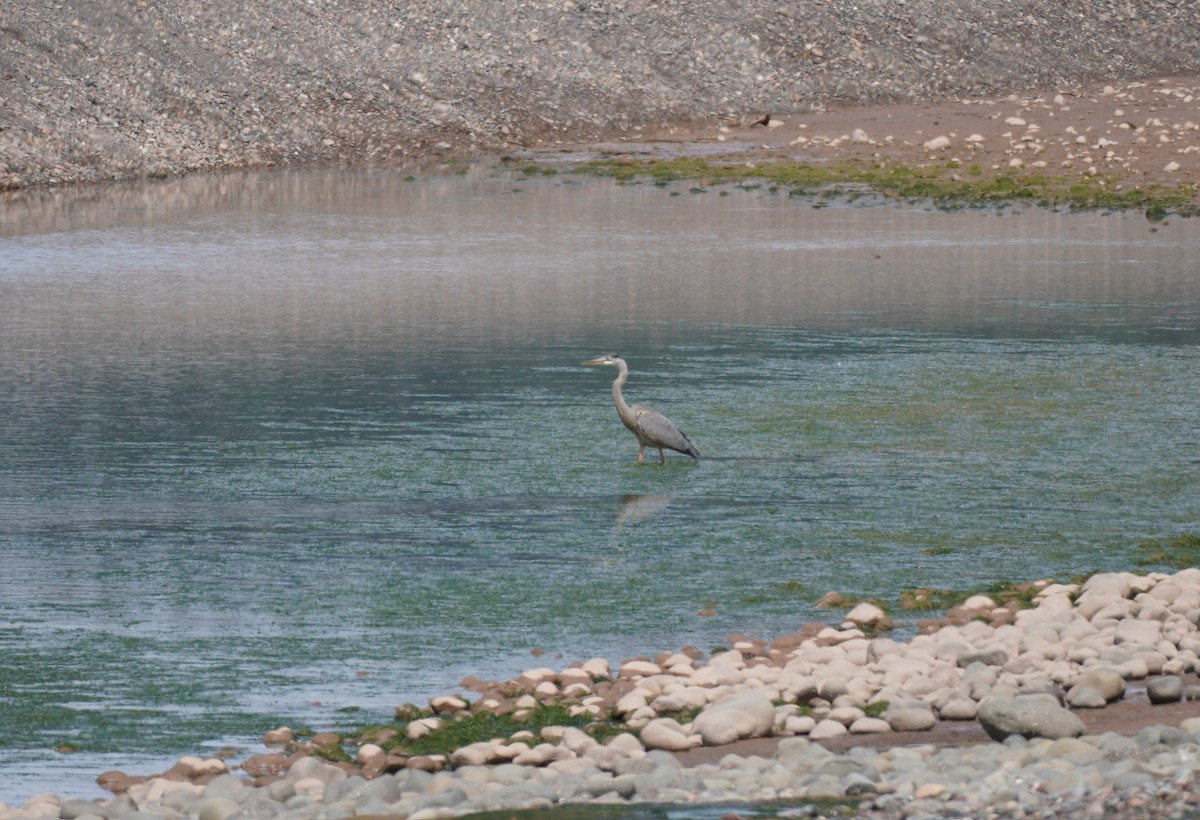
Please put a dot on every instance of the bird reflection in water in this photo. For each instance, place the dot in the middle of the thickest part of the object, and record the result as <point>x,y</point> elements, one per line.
<point>640,507</point>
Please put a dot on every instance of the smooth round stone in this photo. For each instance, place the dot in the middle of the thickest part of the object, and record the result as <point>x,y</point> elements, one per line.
<point>958,708</point>
<point>1077,751</point>
<point>1108,682</point>
<point>910,716</point>
<point>1085,697</point>
<point>751,714</point>
<point>1029,716</point>
<point>828,728</point>
<point>216,808</point>
<point>803,724</point>
<point>869,726</point>
<point>666,733</point>
<point>845,715</point>
<point>1167,689</point>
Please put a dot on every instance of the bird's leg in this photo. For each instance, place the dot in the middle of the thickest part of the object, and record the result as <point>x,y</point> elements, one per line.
<point>641,448</point>
<point>662,457</point>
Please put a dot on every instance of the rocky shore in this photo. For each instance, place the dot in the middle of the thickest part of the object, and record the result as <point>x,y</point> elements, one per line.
<point>992,713</point>
<point>99,92</point>
<point>836,712</point>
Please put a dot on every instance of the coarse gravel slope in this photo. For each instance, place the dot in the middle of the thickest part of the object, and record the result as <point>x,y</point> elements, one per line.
<point>109,90</point>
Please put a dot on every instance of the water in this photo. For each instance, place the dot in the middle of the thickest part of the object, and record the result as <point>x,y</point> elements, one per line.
<point>299,448</point>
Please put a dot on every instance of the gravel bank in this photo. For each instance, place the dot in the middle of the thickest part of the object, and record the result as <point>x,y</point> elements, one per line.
<point>94,92</point>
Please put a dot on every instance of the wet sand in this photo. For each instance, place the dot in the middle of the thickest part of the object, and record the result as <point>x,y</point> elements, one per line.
<point>1131,134</point>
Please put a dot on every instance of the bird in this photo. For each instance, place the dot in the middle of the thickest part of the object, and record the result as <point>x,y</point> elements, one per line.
<point>651,427</point>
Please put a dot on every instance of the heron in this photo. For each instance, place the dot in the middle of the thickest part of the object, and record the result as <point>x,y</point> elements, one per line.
<point>651,427</point>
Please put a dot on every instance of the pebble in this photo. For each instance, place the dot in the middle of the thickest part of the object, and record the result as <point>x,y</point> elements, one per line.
<point>1165,689</point>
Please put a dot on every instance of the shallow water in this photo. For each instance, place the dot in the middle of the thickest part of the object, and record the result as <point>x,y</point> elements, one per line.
<point>299,448</point>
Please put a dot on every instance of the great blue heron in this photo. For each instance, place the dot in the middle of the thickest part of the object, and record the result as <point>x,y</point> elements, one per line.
<point>651,427</point>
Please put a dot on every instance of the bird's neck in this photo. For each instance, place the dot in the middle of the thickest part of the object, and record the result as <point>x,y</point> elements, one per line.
<point>619,399</point>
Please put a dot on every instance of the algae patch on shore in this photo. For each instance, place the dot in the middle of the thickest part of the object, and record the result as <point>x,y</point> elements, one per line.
<point>1178,553</point>
<point>947,186</point>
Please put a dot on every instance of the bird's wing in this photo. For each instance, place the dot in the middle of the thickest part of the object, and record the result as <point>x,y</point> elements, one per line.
<point>659,431</point>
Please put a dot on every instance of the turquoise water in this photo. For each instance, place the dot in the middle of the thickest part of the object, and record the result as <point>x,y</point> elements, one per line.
<point>298,448</point>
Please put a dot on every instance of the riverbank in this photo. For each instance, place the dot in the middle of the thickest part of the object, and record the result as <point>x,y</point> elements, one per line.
<point>1085,702</point>
<point>177,87</point>
<point>1126,146</point>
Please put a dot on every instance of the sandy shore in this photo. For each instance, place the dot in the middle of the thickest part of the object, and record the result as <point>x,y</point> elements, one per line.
<point>1143,134</point>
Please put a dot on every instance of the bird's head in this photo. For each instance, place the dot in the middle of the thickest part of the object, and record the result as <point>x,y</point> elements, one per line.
<point>607,360</point>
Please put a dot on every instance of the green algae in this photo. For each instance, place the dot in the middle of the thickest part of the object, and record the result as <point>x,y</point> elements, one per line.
<point>946,186</point>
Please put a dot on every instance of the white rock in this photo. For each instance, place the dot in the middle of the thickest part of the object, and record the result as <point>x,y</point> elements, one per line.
<point>722,674</point>
<point>640,717</point>
<point>576,691</point>
<point>1138,631</point>
<point>667,734</point>
<point>574,675</point>
<point>370,755</point>
<point>909,716</point>
<point>474,754</point>
<point>1085,697</point>
<point>897,669</point>
<point>678,659</point>
<point>958,708</point>
<point>626,744</point>
<point>799,725</point>
<point>315,768</point>
<point>827,729</point>
<point>937,143</point>
<point>216,808</point>
<point>508,751</point>
<point>867,616</point>
<point>846,715</point>
<point>1189,577</point>
<point>859,136</point>
<point>1030,716</point>
<point>742,716</point>
<point>444,704</point>
<point>639,669</point>
<point>730,657</point>
<point>540,755</point>
<point>1134,669</point>
<point>597,668</point>
<point>1171,166</point>
<point>539,674</point>
<point>577,740</point>
<point>630,702</point>
<point>869,726</point>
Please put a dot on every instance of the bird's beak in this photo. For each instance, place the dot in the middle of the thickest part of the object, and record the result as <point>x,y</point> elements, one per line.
<point>600,360</point>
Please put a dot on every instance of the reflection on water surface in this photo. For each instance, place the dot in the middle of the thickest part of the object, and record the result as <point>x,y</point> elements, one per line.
<point>276,445</point>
